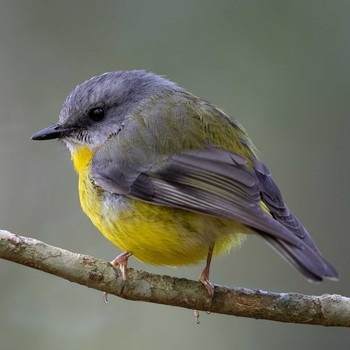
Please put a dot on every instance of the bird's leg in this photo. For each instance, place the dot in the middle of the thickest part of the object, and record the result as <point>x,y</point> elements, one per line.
<point>204,279</point>
<point>120,261</point>
<point>204,276</point>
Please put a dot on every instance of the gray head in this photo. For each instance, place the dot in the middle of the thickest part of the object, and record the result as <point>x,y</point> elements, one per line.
<point>97,108</point>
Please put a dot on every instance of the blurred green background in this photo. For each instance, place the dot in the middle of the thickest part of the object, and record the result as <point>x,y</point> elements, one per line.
<point>280,67</point>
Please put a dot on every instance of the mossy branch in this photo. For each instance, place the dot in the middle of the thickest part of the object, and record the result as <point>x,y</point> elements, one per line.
<point>325,310</point>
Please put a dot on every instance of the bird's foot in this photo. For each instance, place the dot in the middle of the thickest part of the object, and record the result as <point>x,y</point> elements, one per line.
<point>120,261</point>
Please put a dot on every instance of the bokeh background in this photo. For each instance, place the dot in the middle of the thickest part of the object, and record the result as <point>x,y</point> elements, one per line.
<point>280,67</point>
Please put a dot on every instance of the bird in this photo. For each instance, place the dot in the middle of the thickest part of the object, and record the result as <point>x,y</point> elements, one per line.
<point>171,179</point>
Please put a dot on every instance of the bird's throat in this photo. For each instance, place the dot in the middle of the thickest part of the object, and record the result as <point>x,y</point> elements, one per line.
<point>81,158</point>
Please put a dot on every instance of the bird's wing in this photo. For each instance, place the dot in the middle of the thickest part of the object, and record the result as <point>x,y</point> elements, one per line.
<point>271,196</point>
<point>214,182</point>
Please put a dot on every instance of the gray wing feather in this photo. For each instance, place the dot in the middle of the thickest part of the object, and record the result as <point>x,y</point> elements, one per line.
<point>272,197</point>
<point>220,183</point>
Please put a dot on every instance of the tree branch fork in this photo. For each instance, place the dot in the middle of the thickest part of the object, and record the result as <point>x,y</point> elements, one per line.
<point>325,310</point>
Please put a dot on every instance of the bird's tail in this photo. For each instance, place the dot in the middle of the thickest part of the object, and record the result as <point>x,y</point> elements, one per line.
<point>305,259</point>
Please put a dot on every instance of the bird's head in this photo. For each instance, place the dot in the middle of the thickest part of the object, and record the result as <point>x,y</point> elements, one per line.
<point>99,108</point>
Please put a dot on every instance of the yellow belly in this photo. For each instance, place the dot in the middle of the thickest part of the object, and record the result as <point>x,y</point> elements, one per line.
<point>154,234</point>
<point>165,236</point>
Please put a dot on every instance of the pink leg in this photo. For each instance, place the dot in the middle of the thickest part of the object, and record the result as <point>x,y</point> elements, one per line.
<point>120,261</point>
<point>204,279</point>
<point>204,276</point>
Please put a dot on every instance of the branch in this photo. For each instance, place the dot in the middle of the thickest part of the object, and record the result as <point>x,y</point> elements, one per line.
<point>326,310</point>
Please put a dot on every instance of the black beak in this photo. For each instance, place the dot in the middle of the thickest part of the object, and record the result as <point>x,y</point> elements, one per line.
<point>55,131</point>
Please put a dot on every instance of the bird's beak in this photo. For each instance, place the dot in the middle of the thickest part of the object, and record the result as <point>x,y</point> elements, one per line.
<point>54,131</point>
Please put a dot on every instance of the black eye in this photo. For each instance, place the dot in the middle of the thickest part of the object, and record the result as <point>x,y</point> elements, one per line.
<point>96,114</point>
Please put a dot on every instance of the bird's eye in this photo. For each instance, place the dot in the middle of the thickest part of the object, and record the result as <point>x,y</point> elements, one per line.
<point>96,114</point>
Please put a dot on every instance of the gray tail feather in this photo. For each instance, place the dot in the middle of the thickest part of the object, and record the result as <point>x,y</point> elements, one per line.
<point>306,260</point>
<point>305,257</point>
